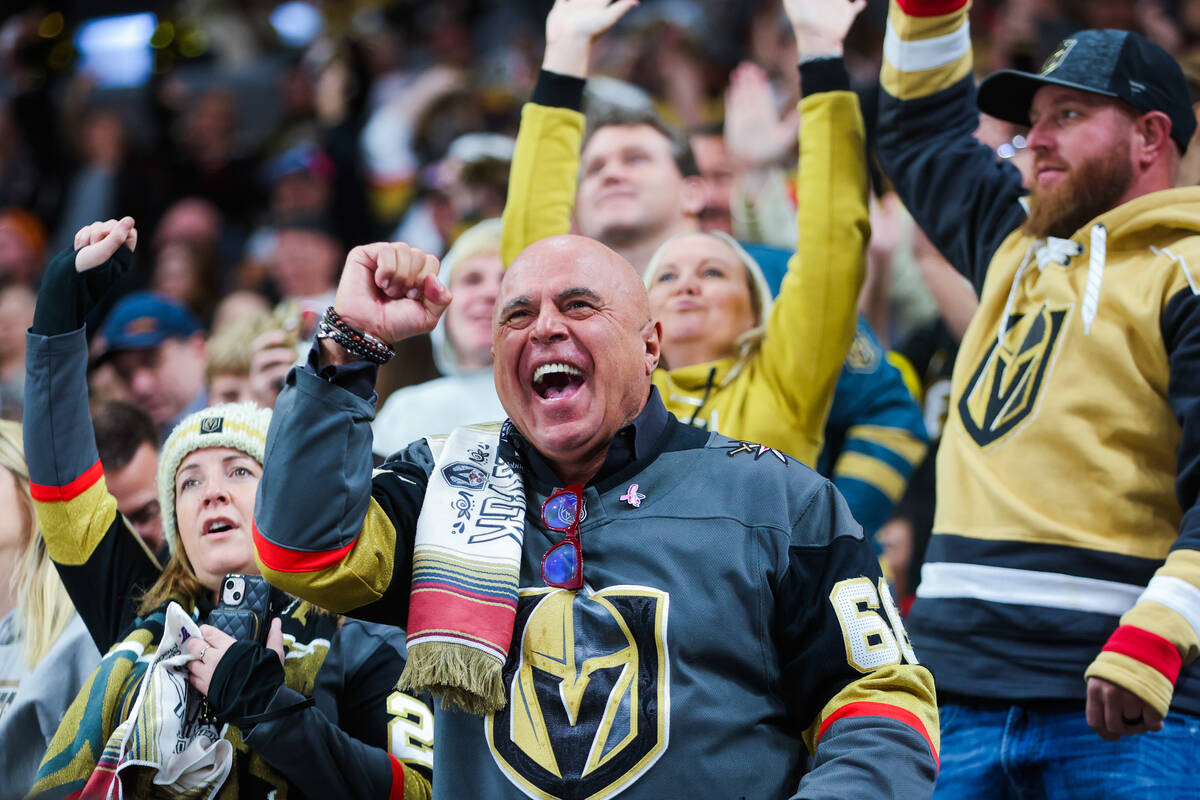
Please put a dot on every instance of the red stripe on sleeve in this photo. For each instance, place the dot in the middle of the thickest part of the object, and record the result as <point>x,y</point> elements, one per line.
<point>1148,648</point>
<point>281,559</point>
<point>61,494</point>
<point>397,792</point>
<point>929,8</point>
<point>866,709</point>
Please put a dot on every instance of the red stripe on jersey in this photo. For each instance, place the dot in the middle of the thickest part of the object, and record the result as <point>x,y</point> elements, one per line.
<point>1148,648</point>
<point>61,494</point>
<point>397,792</point>
<point>281,559</point>
<point>866,709</point>
<point>929,8</point>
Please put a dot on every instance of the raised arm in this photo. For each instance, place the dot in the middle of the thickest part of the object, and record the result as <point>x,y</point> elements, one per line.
<point>964,200</point>
<point>813,320</point>
<point>101,560</point>
<point>545,166</point>
<point>327,528</point>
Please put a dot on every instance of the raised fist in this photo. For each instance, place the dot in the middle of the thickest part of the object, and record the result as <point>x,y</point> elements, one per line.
<point>100,240</point>
<point>391,291</point>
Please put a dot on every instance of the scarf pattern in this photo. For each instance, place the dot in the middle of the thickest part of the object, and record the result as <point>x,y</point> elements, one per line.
<point>466,569</point>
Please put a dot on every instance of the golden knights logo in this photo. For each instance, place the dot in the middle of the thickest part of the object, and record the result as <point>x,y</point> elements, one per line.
<point>863,355</point>
<point>1056,58</point>
<point>588,692</point>
<point>1005,388</point>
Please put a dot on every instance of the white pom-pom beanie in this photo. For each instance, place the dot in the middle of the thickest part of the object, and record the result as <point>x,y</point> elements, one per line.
<point>240,426</point>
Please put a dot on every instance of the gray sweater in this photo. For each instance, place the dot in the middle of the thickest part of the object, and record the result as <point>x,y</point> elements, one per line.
<point>32,702</point>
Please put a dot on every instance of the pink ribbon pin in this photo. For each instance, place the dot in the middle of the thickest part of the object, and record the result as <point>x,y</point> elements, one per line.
<point>633,496</point>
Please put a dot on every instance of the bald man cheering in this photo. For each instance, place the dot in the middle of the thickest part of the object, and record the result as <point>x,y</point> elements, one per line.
<point>603,599</point>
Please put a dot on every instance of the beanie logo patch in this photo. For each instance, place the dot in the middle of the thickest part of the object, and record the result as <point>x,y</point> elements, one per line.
<point>1056,58</point>
<point>212,425</point>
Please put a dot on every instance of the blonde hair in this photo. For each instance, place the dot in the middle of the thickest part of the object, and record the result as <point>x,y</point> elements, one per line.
<point>43,606</point>
<point>482,237</point>
<point>229,350</point>
<point>749,343</point>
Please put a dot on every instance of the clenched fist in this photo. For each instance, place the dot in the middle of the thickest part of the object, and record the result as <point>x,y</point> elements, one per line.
<point>391,291</point>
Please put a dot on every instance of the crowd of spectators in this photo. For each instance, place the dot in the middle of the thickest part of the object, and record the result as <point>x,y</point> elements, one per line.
<point>255,150</point>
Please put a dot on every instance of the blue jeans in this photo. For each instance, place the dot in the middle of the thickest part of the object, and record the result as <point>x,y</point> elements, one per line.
<point>1021,754</point>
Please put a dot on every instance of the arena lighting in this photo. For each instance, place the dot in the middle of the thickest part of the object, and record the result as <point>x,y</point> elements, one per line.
<point>296,22</point>
<point>115,51</point>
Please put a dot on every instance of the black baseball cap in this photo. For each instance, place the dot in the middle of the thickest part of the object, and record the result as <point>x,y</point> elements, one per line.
<point>1119,64</point>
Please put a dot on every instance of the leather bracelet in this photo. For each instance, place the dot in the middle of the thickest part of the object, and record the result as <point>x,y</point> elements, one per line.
<point>353,340</point>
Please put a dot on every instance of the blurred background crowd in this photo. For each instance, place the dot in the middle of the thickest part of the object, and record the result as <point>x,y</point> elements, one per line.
<point>256,142</point>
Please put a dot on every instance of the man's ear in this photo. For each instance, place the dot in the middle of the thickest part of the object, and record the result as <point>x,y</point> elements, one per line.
<point>695,195</point>
<point>653,340</point>
<point>1153,137</point>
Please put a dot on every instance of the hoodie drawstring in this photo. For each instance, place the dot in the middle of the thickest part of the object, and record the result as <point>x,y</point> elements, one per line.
<point>708,387</point>
<point>1096,257</point>
<point>1012,295</point>
<point>1061,251</point>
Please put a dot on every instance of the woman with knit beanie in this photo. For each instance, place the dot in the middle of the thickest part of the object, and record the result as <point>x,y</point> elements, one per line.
<point>178,707</point>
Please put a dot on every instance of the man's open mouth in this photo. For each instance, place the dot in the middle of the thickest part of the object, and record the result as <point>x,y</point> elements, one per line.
<point>557,381</point>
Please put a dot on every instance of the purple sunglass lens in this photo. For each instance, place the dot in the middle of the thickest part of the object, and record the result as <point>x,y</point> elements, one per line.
<point>560,565</point>
<point>560,512</point>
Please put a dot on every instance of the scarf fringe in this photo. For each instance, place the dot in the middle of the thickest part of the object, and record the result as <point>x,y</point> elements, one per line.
<point>458,675</point>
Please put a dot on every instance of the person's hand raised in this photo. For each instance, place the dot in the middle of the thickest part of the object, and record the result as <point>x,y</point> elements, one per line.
<point>391,291</point>
<point>98,242</point>
<point>76,279</point>
<point>821,25</point>
<point>572,26</point>
<point>755,135</point>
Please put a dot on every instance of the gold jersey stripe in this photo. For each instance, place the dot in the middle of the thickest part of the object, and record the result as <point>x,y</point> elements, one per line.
<point>901,442</point>
<point>906,686</point>
<point>869,469</point>
<point>913,85</point>
<point>1182,564</point>
<point>358,579</point>
<point>912,381</point>
<point>74,528</point>
<point>1129,673</point>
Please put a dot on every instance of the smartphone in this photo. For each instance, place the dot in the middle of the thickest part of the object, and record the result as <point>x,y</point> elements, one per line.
<point>245,608</point>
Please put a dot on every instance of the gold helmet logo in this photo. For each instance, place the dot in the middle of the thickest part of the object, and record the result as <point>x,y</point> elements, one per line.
<point>588,702</point>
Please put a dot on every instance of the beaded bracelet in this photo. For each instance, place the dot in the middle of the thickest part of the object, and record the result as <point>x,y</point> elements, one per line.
<point>360,343</point>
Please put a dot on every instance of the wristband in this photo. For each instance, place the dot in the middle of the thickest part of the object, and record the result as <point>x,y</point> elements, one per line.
<point>360,343</point>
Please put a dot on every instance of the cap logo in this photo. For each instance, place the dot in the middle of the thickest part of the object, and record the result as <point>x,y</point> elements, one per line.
<point>212,425</point>
<point>141,325</point>
<point>1058,56</point>
<point>1135,87</point>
